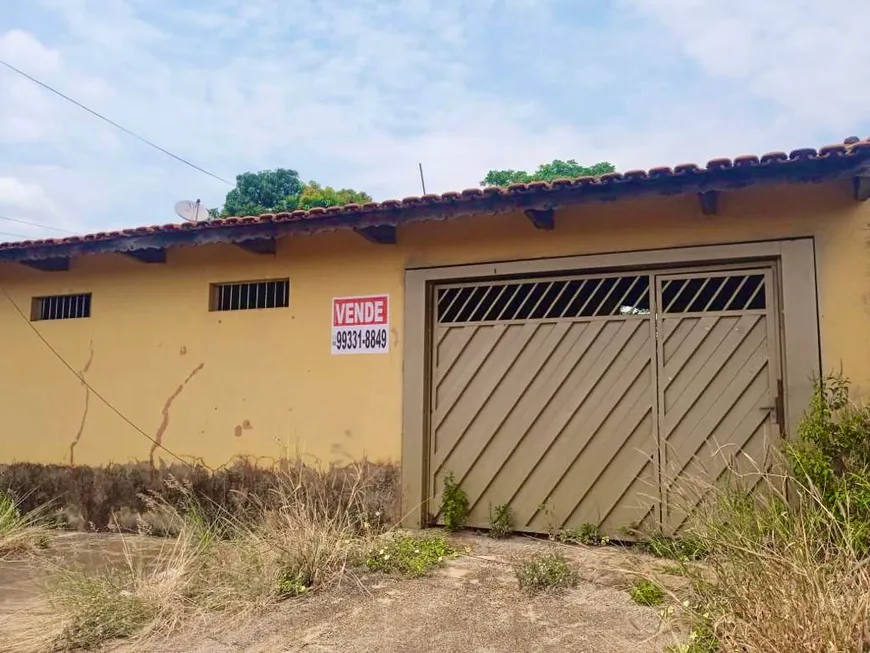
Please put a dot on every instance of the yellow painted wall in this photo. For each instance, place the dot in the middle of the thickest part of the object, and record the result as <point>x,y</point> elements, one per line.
<point>155,352</point>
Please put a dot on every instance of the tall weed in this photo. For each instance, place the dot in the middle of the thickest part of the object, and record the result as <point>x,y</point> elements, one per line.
<point>786,565</point>
<point>832,457</point>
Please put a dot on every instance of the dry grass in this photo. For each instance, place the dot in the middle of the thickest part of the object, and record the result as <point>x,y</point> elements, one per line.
<point>121,496</point>
<point>310,533</point>
<point>779,575</point>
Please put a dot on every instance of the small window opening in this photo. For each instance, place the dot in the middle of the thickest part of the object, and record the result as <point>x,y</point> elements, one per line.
<point>61,307</point>
<point>249,295</point>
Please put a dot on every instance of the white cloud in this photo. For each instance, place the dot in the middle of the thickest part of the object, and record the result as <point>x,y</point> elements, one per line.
<point>355,94</point>
<point>809,57</point>
<point>20,48</point>
<point>21,195</point>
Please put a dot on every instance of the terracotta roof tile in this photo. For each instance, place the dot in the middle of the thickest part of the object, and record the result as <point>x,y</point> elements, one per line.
<point>852,152</point>
<point>802,154</point>
<point>774,157</point>
<point>745,161</point>
<point>718,164</point>
<point>660,172</point>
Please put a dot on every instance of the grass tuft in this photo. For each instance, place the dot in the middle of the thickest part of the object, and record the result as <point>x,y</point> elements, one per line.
<point>542,572</point>
<point>20,531</point>
<point>100,607</point>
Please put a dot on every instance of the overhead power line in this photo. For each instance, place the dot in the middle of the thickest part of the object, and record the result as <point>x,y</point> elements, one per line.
<point>113,123</point>
<point>35,224</point>
<point>6,233</point>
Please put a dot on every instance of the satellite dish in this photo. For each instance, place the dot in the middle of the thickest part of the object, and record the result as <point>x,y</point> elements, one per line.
<point>190,211</point>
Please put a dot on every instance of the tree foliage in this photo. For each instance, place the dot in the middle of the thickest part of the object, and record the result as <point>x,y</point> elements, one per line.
<point>281,190</point>
<point>313,194</point>
<point>556,169</point>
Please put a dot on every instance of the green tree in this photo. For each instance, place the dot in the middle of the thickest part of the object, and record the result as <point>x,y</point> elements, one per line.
<point>280,190</point>
<point>266,191</point>
<point>556,169</point>
<point>313,194</point>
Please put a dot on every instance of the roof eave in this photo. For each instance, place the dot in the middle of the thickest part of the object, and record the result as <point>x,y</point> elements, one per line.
<point>681,181</point>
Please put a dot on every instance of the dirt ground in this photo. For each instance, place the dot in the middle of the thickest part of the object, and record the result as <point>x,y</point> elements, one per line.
<point>472,605</point>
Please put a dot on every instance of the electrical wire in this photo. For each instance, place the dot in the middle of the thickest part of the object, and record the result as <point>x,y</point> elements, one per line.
<point>35,224</point>
<point>81,378</point>
<point>113,123</point>
<point>6,233</point>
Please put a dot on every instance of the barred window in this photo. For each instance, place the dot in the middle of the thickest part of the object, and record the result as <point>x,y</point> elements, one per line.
<point>61,307</point>
<point>537,300</point>
<point>248,295</point>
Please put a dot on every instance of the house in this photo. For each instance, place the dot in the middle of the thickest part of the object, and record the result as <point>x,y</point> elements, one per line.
<point>578,349</point>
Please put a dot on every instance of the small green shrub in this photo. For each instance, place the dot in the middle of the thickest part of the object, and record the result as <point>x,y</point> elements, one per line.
<point>688,547</point>
<point>546,572</point>
<point>501,519</point>
<point>588,534</point>
<point>647,592</point>
<point>409,555</point>
<point>293,584</point>
<point>454,504</point>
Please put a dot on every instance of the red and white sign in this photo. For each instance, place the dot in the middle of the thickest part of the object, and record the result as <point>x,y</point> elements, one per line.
<point>361,325</point>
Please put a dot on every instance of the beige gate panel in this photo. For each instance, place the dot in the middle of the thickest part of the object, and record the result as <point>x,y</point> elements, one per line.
<point>718,377</point>
<point>543,396</point>
<point>609,397</point>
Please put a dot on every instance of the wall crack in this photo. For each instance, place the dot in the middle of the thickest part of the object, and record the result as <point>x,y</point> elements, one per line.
<point>85,408</point>
<point>164,424</point>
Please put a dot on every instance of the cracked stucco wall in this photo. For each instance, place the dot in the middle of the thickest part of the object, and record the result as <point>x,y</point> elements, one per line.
<point>263,383</point>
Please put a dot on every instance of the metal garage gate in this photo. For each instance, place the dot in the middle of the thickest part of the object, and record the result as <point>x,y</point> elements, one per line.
<point>598,398</point>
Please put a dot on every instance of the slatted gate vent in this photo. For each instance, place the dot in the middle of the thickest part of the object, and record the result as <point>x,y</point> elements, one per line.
<point>539,300</point>
<point>714,293</point>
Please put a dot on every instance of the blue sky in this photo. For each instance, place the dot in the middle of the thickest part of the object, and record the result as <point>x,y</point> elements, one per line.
<point>356,93</point>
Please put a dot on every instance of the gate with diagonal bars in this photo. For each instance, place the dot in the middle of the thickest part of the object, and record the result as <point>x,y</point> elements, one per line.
<point>603,398</point>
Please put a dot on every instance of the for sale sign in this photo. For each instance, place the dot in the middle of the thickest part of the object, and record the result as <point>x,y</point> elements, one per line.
<point>361,325</point>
